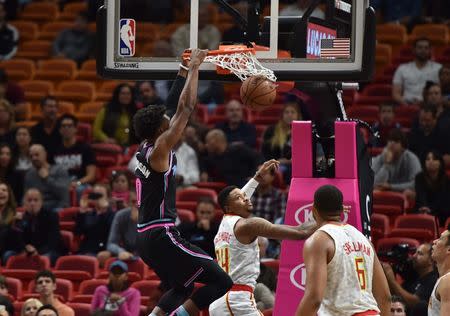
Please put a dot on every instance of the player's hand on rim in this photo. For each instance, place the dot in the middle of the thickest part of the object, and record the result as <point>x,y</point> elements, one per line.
<point>198,56</point>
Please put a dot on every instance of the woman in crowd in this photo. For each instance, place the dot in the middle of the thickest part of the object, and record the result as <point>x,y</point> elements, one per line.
<point>7,220</point>
<point>8,173</point>
<point>432,188</point>
<point>22,149</point>
<point>120,190</point>
<point>113,124</point>
<point>30,307</point>
<point>7,122</point>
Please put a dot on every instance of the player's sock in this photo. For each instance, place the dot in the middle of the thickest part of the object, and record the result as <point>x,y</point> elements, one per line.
<point>180,311</point>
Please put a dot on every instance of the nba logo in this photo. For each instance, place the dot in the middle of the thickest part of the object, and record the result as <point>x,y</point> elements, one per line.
<point>127,41</point>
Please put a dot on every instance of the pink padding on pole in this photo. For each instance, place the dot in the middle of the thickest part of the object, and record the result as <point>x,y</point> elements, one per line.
<point>345,150</point>
<point>301,140</point>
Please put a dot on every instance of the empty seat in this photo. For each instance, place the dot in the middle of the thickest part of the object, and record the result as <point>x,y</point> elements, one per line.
<point>28,262</point>
<point>378,90</point>
<point>107,155</point>
<point>386,244</point>
<point>438,34</point>
<point>14,287</point>
<point>84,133</point>
<point>380,222</point>
<point>69,240</point>
<point>40,11</point>
<point>28,30</point>
<point>35,90</point>
<point>19,68</point>
<point>71,10</point>
<point>35,49</point>
<point>89,286</point>
<point>76,91</point>
<point>88,71</point>
<point>76,268</point>
<point>195,194</point>
<point>56,69</point>
<point>394,34</point>
<point>88,111</point>
<point>427,223</point>
<point>185,216</point>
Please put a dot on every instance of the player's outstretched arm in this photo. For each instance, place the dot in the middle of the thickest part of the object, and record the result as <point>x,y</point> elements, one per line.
<point>186,104</point>
<point>444,293</point>
<point>177,87</point>
<point>248,229</point>
<point>380,288</point>
<point>316,259</point>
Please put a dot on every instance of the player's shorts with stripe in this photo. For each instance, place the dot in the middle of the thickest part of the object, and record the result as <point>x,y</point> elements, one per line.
<point>235,303</point>
<point>174,259</point>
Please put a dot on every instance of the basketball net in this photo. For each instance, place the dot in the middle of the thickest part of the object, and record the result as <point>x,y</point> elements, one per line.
<point>242,64</point>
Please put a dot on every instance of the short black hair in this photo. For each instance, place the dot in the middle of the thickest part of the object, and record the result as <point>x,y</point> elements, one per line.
<point>396,135</point>
<point>429,108</point>
<point>398,299</point>
<point>68,116</point>
<point>222,198</point>
<point>328,200</point>
<point>47,98</point>
<point>422,39</point>
<point>46,306</point>
<point>147,121</point>
<point>45,274</point>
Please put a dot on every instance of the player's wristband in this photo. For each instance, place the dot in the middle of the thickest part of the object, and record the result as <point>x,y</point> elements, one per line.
<point>250,187</point>
<point>184,67</point>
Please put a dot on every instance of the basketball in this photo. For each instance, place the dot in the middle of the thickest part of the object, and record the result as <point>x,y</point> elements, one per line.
<point>257,92</point>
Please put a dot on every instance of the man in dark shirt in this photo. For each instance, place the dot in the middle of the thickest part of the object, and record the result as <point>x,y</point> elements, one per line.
<point>78,158</point>
<point>415,291</point>
<point>232,164</point>
<point>236,130</point>
<point>202,232</point>
<point>423,138</point>
<point>46,132</point>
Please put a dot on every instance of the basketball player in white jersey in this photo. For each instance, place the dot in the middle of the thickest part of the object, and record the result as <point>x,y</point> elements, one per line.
<point>236,245</point>
<point>343,274</point>
<point>439,304</point>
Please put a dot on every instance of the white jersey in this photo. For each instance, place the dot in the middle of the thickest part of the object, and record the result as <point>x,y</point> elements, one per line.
<point>240,261</point>
<point>350,273</point>
<point>434,305</point>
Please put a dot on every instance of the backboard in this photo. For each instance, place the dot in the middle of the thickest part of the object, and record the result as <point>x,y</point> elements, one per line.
<point>308,40</point>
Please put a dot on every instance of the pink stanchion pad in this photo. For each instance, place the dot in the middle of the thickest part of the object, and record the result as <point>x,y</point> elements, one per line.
<point>292,274</point>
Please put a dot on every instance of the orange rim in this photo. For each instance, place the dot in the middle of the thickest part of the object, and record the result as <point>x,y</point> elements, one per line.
<point>225,51</point>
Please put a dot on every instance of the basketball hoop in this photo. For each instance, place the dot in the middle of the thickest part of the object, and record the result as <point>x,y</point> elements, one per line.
<point>239,60</point>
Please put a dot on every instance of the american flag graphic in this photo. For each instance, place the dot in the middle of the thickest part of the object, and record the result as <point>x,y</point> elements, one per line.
<point>335,48</point>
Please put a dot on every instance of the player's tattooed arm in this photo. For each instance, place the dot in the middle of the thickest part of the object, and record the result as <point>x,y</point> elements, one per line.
<point>248,229</point>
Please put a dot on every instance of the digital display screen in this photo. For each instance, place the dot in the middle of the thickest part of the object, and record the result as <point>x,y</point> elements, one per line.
<point>315,33</point>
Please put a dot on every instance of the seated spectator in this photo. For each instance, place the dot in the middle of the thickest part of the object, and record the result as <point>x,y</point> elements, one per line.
<point>22,149</point>
<point>7,122</point>
<point>93,222</point>
<point>410,78</point>
<point>235,128</point>
<point>3,286</point>
<point>396,167</point>
<point>9,36</point>
<point>46,132</point>
<point>444,80</point>
<point>201,233</point>
<point>30,307</point>
<point>76,157</point>
<point>76,43</point>
<point>45,286</point>
<point>432,96</point>
<point>418,289</point>
<point>299,8</point>
<point>51,180</point>
<point>424,137</point>
<point>47,310</point>
<point>147,93</point>
<point>39,227</point>
<point>122,236</point>
<point>432,187</point>
<point>8,309</point>
<point>402,11</point>
<point>8,235</point>
<point>120,190</point>
<point>268,201</point>
<point>7,172</point>
<point>385,124</point>
<point>232,164</point>
<point>14,94</point>
<point>114,123</point>
<point>188,170</point>
<point>208,34</point>
<point>398,306</point>
<point>117,296</point>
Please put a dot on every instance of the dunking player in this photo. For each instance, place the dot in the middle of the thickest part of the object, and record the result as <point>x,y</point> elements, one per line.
<point>159,243</point>
<point>343,273</point>
<point>236,245</point>
<point>439,304</point>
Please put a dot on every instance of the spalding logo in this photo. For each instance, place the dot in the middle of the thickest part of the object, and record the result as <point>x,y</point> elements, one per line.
<point>305,214</point>
<point>298,276</point>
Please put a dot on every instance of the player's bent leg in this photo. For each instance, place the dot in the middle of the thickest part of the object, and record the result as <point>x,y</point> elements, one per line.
<point>235,303</point>
<point>175,297</point>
